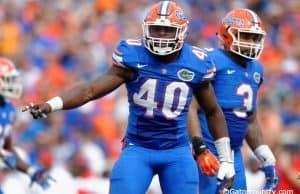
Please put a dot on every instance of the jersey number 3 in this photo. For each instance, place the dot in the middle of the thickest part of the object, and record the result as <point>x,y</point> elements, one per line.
<point>245,90</point>
<point>174,98</point>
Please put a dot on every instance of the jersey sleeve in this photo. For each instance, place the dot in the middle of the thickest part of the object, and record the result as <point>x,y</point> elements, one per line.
<point>258,73</point>
<point>210,70</point>
<point>208,67</point>
<point>125,54</point>
<point>262,75</point>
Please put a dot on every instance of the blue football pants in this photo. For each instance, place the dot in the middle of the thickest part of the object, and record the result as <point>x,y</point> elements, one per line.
<point>136,166</point>
<point>208,185</point>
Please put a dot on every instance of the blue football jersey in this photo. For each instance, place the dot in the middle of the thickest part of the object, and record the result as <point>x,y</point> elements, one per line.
<point>160,93</point>
<point>236,90</point>
<point>7,118</point>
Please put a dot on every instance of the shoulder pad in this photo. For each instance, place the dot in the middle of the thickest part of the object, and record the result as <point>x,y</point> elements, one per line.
<point>126,53</point>
<point>205,65</point>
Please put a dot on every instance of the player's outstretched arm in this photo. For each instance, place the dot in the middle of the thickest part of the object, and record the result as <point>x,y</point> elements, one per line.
<point>81,93</point>
<point>207,161</point>
<point>217,125</point>
<point>254,139</point>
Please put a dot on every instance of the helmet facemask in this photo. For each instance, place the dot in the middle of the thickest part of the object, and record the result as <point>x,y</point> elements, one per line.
<point>171,41</point>
<point>11,86</point>
<point>247,43</point>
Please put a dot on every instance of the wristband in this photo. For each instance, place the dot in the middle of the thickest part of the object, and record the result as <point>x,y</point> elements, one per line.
<point>55,103</point>
<point>224,149</point>
<point>265,155</point>
<point>198,145</point>
<point>31,170</point>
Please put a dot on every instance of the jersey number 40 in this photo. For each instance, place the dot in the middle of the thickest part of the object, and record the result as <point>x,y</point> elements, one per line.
<point>174,98</point>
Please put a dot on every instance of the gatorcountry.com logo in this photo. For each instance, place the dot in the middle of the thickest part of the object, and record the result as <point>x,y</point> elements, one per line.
<point>241,191</point>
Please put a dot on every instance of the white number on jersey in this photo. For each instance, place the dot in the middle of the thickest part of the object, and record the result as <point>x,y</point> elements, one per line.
<point>199,53</point>
<point>171,108</point>
<point>134,42</point>
<point>245,91</point>
<point>183,91</point>
<point>146,97</point>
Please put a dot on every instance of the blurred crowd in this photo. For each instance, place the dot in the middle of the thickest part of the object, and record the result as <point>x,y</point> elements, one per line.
<point>56,43</point>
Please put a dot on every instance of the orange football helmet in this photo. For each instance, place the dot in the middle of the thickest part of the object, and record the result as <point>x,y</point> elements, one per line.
<point>242,33</point>
<point>10,84</point>
<point>165,28</point>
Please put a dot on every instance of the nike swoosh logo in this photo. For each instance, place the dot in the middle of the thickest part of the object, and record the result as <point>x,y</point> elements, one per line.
<point>230,71</point>
<point>141,66</point>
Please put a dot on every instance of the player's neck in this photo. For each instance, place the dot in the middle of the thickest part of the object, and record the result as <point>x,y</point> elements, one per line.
<point>168,58</point>
<point>238,59</point>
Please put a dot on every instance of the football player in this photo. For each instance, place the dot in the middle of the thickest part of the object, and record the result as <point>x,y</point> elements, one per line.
<point>239,75</point>
<point>11,87</point>
<point>161,73</point>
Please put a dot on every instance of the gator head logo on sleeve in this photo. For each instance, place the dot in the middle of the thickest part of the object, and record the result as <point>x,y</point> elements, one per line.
<point>257,77</point>
<point>185,75</point>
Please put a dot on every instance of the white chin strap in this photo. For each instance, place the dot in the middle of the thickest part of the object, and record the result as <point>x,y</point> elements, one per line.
<point>162,51</point>
<point>161,47</point>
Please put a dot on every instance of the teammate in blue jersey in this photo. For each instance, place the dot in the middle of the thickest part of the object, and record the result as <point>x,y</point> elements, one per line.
<point>238,77</point>
<point>11,87</point>
<point>161,73</point>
